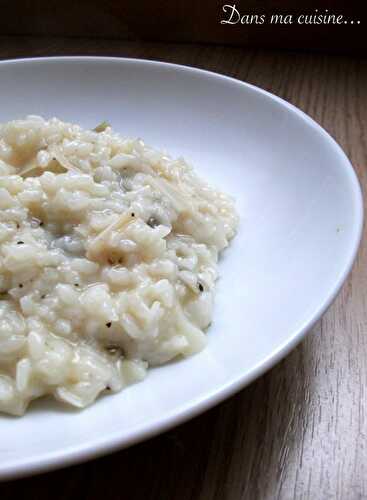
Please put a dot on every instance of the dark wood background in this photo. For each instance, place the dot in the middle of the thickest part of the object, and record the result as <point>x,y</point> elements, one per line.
<point>188,21</point>
<point>300,431</point>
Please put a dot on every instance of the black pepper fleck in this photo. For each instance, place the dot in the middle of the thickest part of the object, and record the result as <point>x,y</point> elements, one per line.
<point>132,214</point>
<point>109,324</point>
<point>20,285</point>
<point>201,288</point>
<point>41,224</point>
<point>76,284</point>
<point>20,243</point>
<point>18,226</point>
<point>43,296</point>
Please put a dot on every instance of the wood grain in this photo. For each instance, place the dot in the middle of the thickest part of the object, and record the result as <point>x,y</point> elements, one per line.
<point>191,21</point>
<point>300,431</point>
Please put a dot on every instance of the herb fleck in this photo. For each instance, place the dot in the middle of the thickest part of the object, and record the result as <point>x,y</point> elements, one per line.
<point>152,222</point>
<point>101,127</point>
<point>114,349</point>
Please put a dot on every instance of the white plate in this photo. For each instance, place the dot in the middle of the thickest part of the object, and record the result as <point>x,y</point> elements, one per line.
<point>301,211</point>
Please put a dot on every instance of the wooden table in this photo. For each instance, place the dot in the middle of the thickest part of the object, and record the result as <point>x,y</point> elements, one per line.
<point>300,431</point>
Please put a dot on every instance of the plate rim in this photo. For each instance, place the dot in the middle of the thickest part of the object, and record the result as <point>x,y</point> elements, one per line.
<point>96,448</point>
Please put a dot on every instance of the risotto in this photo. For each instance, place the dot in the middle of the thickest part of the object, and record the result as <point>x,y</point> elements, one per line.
<point>108,260</point>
